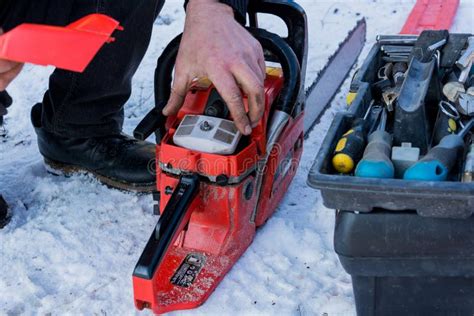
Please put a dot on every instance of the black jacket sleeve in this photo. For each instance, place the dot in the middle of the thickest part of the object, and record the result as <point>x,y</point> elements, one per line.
<point>239,6</point>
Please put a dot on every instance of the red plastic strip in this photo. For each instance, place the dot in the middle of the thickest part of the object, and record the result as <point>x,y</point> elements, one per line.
<point>71,48</point>
<point>431,14</point>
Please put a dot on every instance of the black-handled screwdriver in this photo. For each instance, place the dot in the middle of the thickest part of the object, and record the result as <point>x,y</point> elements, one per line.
<point>351,145</point>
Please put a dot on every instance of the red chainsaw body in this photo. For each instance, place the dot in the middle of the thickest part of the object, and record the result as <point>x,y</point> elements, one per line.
<point>222,223</point>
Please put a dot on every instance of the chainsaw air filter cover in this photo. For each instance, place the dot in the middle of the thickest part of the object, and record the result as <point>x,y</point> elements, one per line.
<point>207,134</point>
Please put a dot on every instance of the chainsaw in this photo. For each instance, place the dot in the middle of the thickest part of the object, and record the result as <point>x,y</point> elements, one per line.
<point>217,186</point>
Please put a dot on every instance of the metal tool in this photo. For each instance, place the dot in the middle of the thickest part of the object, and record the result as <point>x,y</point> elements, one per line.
<point>446,122</point>
<point>396,49</point>
<point>390,94</point>
<point>452,90</point>
<point>398,72</point>
<point>465,103</point>
<point>468,174</point>
<point>397,39</point>
<point>384,76</point>
<point>466,60</point>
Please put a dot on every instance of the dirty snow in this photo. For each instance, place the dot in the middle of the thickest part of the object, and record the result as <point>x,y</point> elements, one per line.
<point>72,243</point>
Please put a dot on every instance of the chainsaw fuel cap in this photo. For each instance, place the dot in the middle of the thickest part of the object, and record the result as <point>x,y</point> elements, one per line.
<point>207,134</point>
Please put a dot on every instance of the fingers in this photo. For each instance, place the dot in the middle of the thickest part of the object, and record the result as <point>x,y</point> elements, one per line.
<point>253,87</point>
<point>227,87</point>
<point>256,69</point>
<point>261,59</point>
<point>178,94</point>
<point>263,66</point>
<point>6,65</point>
<point>8,76</point>
<point>256,60</point>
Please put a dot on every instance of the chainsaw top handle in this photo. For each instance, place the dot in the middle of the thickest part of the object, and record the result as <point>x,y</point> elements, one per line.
<point>295,20</point>
<point>272,44</point>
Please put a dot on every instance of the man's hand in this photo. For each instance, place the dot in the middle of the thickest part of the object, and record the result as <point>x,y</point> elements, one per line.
<point>8,71</point>
<point>215,46</point>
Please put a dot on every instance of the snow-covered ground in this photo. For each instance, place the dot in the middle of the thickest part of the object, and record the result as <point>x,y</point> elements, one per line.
<point>72,243</point>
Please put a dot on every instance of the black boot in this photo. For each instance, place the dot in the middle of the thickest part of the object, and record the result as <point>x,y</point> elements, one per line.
<point>118,160</point>
<point>4,215</point>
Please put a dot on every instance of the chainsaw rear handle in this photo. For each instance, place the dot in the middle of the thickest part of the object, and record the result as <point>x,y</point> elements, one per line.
<point>272,43</point>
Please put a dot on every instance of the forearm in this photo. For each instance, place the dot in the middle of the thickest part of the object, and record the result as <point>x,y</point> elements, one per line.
<point>239,7</point>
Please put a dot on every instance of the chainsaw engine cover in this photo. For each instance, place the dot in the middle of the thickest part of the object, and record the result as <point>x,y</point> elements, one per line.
<point>207,134</point>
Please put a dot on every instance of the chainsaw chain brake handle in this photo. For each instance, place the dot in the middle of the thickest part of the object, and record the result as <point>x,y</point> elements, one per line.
<point>290,53</point>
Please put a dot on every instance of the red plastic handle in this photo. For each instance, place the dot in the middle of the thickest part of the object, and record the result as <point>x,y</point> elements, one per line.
<point>71,48</point>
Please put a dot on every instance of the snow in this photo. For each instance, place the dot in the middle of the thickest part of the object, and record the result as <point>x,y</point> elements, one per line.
<point>72,243</point>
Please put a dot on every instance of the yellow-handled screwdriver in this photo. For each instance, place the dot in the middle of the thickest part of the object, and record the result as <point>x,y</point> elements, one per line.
<point>350,147</point>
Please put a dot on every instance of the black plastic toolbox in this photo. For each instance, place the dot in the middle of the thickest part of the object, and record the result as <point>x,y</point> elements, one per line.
<point>404,264</point>
<point>448,199</point>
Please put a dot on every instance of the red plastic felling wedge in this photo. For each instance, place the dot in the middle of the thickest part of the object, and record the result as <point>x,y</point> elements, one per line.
<point>431,15</point>
<point>71,48</point>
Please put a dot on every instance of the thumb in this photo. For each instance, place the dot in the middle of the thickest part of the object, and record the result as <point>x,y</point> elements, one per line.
<point>177,96</point>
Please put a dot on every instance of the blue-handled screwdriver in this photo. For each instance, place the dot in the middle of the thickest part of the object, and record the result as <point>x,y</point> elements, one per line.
<point>439,161</point>
<point>376,161</point>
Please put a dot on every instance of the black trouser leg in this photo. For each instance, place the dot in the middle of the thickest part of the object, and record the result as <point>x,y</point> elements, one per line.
<point>91,103</point>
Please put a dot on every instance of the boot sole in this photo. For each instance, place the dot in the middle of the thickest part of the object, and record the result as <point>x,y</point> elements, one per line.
<point>60,169</point>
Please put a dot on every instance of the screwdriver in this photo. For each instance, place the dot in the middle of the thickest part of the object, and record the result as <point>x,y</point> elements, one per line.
<point>350,147</point>
<point>376,161</point>
<point>439,161</point>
